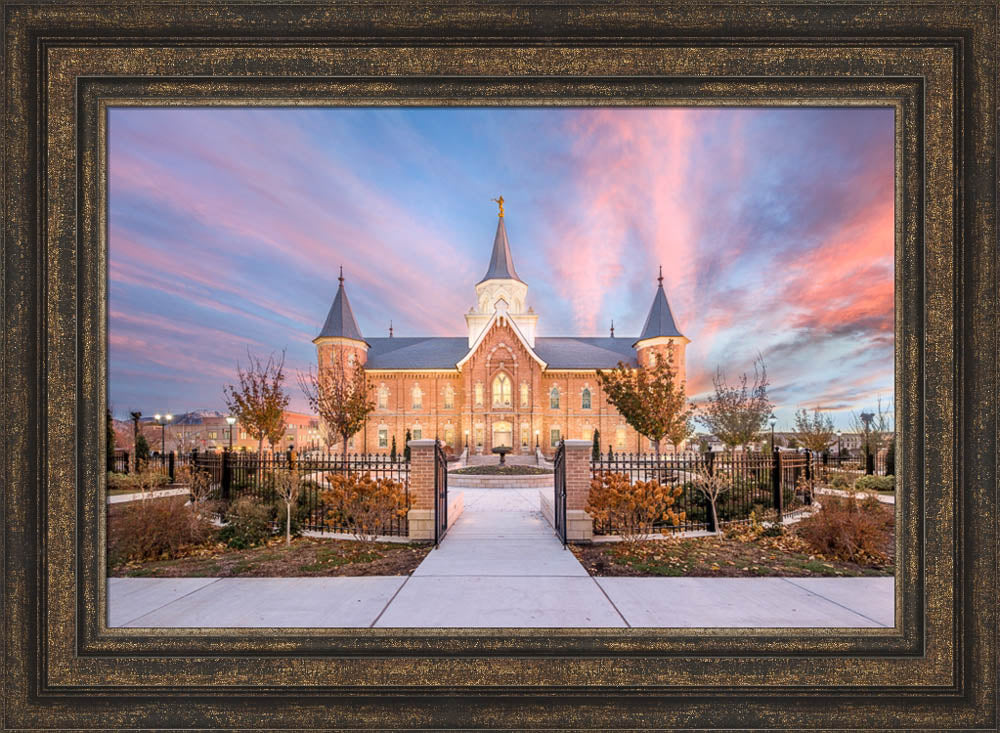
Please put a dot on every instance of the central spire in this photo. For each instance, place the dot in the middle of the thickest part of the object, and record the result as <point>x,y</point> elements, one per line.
<point>501,262</point>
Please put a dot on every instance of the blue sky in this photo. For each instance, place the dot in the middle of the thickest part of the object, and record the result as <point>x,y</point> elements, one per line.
<point>774,228</point>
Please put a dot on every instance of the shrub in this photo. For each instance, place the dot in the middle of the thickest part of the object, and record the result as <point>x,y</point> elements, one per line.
<point>631,510</point>
<point>154,529</point>
<point>146,480</point>
<point>364,505</point>
<point>875,483</point>
<point>850,530</point>
<point>840,481</point>
<point>248,523</point>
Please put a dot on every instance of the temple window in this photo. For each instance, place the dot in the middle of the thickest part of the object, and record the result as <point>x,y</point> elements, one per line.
<point>554,398</point>
<point>501,391</point>
<point>525,395</point>
<point>585,399</point>
<point>383,397</point>
<point>418,398</point>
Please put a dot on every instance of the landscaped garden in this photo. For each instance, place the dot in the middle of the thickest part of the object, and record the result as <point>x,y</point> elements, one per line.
<point>198,535</point>
<point>841,536</point>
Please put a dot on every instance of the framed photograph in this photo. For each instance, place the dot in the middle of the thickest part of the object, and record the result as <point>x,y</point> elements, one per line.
<point>473,367</point>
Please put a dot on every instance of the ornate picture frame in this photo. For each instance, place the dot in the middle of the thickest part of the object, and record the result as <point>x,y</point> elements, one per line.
<point>65,64</point>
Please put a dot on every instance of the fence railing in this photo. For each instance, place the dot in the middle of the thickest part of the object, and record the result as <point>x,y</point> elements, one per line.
<point>758,482</point>
<point>234,475</point>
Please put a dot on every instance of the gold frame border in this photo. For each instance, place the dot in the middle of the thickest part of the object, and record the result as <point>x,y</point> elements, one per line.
<point>73,672</point>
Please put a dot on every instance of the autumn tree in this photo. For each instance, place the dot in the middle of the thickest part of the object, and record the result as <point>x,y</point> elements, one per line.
<point>712,485</point>
<point>258,402</point>
<point>814,431</point>
<point>341,395</point>
<point>287,484</point>
<point>649,398</point>
<point>737,414</point>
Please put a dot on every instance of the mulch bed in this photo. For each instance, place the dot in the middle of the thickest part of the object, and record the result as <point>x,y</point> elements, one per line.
<point>720,557</point>
<point>305,557</point>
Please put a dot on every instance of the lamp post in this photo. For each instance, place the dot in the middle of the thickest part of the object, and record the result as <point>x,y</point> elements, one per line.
<point>773,421</point>
<point>466,441</point>
<point>536,441</point>
<point>162,420</point>
<point>232,421</point>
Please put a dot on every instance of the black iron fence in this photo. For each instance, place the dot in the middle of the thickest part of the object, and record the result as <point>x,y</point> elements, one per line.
<point>559,499</point>
<point>440,493</point>
<point>234,475</point>
<point>119,462</point>
<point>757,482</point>
<point>882,463</point>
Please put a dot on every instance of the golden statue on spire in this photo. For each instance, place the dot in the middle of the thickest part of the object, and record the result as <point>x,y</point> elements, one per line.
<point>500,204</point>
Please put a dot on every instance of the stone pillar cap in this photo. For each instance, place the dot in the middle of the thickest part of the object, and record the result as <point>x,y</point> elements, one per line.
<point>579,444</point>
<point>422,443</point>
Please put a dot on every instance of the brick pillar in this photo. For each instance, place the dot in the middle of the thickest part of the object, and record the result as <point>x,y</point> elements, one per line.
<point>579,524</point>
<point>421,515</point>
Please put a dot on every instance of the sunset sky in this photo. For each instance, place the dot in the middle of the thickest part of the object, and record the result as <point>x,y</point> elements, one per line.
<point>774,228</point>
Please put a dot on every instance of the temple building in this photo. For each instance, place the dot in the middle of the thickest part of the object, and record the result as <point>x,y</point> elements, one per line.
<point>500,384</point>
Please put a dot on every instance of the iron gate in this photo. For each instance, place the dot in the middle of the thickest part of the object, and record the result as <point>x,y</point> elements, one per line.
<point>440,493</point>
<point>559,503</point>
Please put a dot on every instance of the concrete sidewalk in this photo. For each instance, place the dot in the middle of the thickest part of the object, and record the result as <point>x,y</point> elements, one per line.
<point>501,566</point>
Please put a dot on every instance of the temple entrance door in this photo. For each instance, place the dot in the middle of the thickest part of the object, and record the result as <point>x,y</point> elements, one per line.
<point>503,434</point>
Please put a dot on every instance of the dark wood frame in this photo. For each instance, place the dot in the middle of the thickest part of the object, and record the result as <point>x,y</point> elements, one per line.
<point>65,63</point>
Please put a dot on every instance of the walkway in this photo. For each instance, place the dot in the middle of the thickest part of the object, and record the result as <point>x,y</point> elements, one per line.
<point>501,566</point>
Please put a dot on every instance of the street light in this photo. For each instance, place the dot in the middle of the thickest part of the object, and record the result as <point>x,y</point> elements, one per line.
<point>773,421</point>
<point>466,441</point>
<point>536,440</point>
<point>232,421</point>
<point>162,420</point>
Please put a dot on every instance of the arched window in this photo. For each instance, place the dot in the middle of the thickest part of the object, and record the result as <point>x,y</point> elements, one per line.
<point>383,397</point>
<point>620,438</point>
<point>418,398</point>
<point>652,358</point>
<point>449,397</point>
<point>479,394</point>
<point>554,398</point>
<point>501,390</point>
<point>585,399</point>
<point>525,395</point>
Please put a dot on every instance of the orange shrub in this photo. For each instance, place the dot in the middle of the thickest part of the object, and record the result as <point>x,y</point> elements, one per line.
<point>365,505</point>
<point>155,529</point>
<point>630,510</point>
<point>849,530</point>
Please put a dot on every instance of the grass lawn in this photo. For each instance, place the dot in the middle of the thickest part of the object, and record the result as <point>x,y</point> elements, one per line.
<point>498,470</point>
<point>305,557</point>
<point>719,557</point>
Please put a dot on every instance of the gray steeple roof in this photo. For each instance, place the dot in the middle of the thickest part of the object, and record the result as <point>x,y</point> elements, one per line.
<point>501,263</point>
<point>340,321</point>
<point>660,321</point>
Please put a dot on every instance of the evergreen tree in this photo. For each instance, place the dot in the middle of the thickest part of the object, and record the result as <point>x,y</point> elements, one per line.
<point>141,451</point>
<point>595,454</point>
<point>109,430</point>
<point>392,451</point>
<point>406,448</point>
